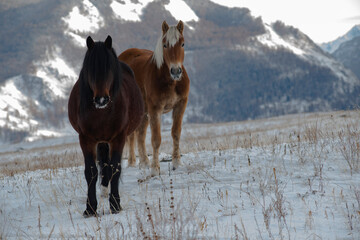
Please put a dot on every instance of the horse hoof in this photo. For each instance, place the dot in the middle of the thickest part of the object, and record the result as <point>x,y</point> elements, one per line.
<point>132,165</point>
<point>175,165</point>
<point>89,213</point>
<point>155,172</point>
<point>144,165</point>
<point>115,210</point>
<point>131,162</point>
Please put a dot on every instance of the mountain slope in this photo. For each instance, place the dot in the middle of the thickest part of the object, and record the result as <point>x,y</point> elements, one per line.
<point>348,54</point>
<point>239,67</point>
<point>278,72</point>
<point>332,46</point>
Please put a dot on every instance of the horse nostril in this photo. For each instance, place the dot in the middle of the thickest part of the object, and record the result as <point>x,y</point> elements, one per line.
<point>106,99</point>
<point>97,99</point>
<point>176,71</point>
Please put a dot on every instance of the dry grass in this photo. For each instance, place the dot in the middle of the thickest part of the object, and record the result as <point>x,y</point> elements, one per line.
<point>295,131</point>
<point>62,156</point>
<point>349,145</point>
<point>168,218</point>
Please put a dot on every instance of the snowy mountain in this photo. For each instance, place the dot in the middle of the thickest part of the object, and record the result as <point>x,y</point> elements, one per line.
<point>349,55</point>
<point>239,66</point>
<point>346,49</point>
<point>332,46</point>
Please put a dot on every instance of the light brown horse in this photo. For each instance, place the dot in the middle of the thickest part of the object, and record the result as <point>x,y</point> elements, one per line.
<point>164,85</point>
<point>105,106</point>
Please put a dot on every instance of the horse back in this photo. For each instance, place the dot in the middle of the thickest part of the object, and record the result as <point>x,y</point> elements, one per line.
<point>134,55</point>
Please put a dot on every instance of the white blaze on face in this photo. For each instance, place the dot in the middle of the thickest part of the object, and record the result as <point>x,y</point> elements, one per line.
<point>102,99</point>
<point>98,106</point>
<point>101,103</point>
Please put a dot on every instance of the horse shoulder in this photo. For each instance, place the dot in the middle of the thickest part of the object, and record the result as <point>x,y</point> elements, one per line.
<point>73,106</point>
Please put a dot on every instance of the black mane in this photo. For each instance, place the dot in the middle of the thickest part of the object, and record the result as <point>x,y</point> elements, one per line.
<point>99,62</point>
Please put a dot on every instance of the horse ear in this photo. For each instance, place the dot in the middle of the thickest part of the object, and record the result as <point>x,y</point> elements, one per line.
<point>89,43</point>
<point>180,26</point>
<point>108,42</point>
<point>165,27</point>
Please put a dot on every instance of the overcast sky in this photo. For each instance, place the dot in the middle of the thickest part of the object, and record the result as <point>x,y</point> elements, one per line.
<point>321,20</point>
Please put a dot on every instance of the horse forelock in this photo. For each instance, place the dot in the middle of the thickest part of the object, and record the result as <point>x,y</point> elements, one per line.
<point>99,64</point>
<point>171,37</point>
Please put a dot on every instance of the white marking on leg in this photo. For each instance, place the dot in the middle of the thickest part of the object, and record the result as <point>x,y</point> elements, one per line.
<point>104,191</point>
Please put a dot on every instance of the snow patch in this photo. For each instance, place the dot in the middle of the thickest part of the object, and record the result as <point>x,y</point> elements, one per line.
<point>79,22</point>
<point>55,72</point>
<point>41,133</point>
<point>23,97</point>
<point>273,40</point>
<point>13,112</point>
<point>12,96</point>
<point>181,11</point>
<point>129,11</point>
<point>77,39</point>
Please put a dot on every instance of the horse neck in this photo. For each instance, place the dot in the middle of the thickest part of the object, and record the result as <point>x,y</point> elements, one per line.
<point>85,94</point>
<point>163,74</point>
<point>117,82</point>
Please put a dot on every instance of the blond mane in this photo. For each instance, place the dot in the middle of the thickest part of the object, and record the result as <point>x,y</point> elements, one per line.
<point>172,36</point>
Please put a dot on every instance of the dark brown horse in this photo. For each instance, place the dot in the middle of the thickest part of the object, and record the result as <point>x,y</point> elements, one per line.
<point>105,106</point>
<point>164,85</point>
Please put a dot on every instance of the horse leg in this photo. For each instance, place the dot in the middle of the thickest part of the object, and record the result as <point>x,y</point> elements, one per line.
<point>91,174</point>
<point>132,157</point>
<point>177,114</point>
<point>141,135</point>
<point>155,119</point>
<point>117,147</point>
<point>103,158</point>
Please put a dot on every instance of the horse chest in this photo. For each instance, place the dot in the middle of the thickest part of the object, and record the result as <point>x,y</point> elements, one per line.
<point>100,126</point>
<point>169,100</point>
<point>169,105</point>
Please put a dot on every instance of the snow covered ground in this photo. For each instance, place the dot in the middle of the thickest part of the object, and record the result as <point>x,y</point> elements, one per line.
<point>292,177</point>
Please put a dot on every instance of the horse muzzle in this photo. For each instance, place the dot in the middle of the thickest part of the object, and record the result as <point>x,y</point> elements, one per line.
<point>101,102</point>
<point>176,73</point>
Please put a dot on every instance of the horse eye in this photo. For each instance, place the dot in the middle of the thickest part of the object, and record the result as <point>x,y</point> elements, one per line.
<point>164,45</point>
<point>183,44</point>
